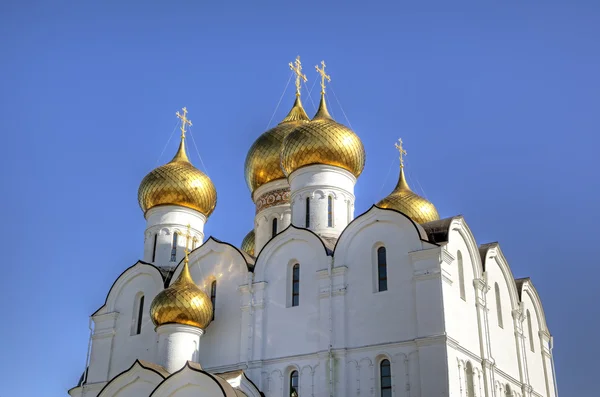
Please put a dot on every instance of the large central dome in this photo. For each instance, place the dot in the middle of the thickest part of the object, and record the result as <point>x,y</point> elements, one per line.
<point>323,141</point>
<point>262,162</point>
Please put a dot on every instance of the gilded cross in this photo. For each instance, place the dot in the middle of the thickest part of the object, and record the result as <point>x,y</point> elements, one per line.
<point>297,68</point>
<point>402,152</point>
<point>323,76</point>
<point>184,121</point>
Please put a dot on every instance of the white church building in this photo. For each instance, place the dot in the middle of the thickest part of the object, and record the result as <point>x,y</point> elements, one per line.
<point>317,301</point>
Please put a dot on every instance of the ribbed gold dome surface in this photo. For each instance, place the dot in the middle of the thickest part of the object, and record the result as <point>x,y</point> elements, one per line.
<point>409,203</point>
<point>248,243</point>
<point>323,141</point>
<point>262,162</point>
<point>182,303</point>
<point>178,183</point>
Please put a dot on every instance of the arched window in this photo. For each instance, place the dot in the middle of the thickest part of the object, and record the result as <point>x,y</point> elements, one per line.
<point>530,331</point>
<point>329,211</point>
<point>138,315</point>
<point>296,285</point>
<point>174,248</point>
<point>498,306</point>
<point>213,296</point>
<point>382,269</point>
<point>307,220</point>
<point>294,384</point>
<point>385,378</point>
<point>507,390</point>
<point>461,276</point>
<point>154,247</point>
<point>274,227</point>
<point>470,383</point>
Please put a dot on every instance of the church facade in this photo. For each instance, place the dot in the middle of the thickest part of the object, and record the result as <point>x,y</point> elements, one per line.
<point>315,301</point>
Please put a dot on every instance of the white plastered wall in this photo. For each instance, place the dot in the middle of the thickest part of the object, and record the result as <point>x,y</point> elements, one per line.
<point>318,183</point>
<point>115,345</point>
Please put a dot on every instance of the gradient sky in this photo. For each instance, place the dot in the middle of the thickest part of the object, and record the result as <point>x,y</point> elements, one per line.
<point>497,106</point>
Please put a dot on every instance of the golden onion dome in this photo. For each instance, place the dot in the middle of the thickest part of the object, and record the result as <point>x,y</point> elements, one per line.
<point>262,162</point>
<point>182,303</point>
<point>248,243</point>
<point>403,199</point>
<point>323,141</point>
<point>178,183</point>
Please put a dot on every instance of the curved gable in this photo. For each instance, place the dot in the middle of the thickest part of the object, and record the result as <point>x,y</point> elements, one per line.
<point>371,216</point>
<point>139,269</point>
<point>287,236</point>
<point>527,289</point>
<point>459,227</point>
<point>491,254</point>
<point>192,380</point>
<point>139,380</point>
<point>220,248</point>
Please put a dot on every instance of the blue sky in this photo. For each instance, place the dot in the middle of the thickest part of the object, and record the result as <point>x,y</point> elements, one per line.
<point>497,106</point>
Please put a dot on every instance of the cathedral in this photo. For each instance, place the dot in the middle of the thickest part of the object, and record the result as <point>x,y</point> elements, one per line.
<point>316,300</point>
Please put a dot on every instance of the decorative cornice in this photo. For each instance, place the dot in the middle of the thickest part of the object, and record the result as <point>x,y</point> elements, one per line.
<point>272,199</point>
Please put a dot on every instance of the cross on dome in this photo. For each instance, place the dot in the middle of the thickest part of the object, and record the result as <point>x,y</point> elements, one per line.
<point>184,121</point>
<point>297,68</point>
<point>323,76</point>
<point>400,148</point>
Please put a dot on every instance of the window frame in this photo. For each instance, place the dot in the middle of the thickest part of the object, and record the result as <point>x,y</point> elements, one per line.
<point>154,247</point>
<point>330,211</point>
<point>213,297</point>
<point>174,247</point>
<point>295,293</point>
<point>461,276</point>
<point>274,227</point>
<point>530,330</point>
<point>307,216</point>
<point>498,305</point>
<point>294,375</point>
<point>382,388</point>
<point>382,273</point>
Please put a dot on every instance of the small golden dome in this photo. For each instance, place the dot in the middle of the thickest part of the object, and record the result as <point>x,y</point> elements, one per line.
<point>323,141</point>
<point>409,203</point>
<point>182,303</point>
<point>248,243</point>
<point>178,183</point>
<point>262,162</point>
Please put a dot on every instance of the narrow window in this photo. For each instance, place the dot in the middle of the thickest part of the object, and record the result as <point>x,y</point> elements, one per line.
<point>213,296</point>
<point>154,247</point>
<point>530,331</point>
<point>385,376</point>
<point>470,383</point>
<point>498,306</point>
<point>507,391</point>
<point>274,228</point>
<point>296,285</point>
<point>329,211</point>
<point>382,268</point>
<point>294,384</point>
<point>307,220</point>
<point>461,276</point>
<point>174,248</point>
<point>138,315</point>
